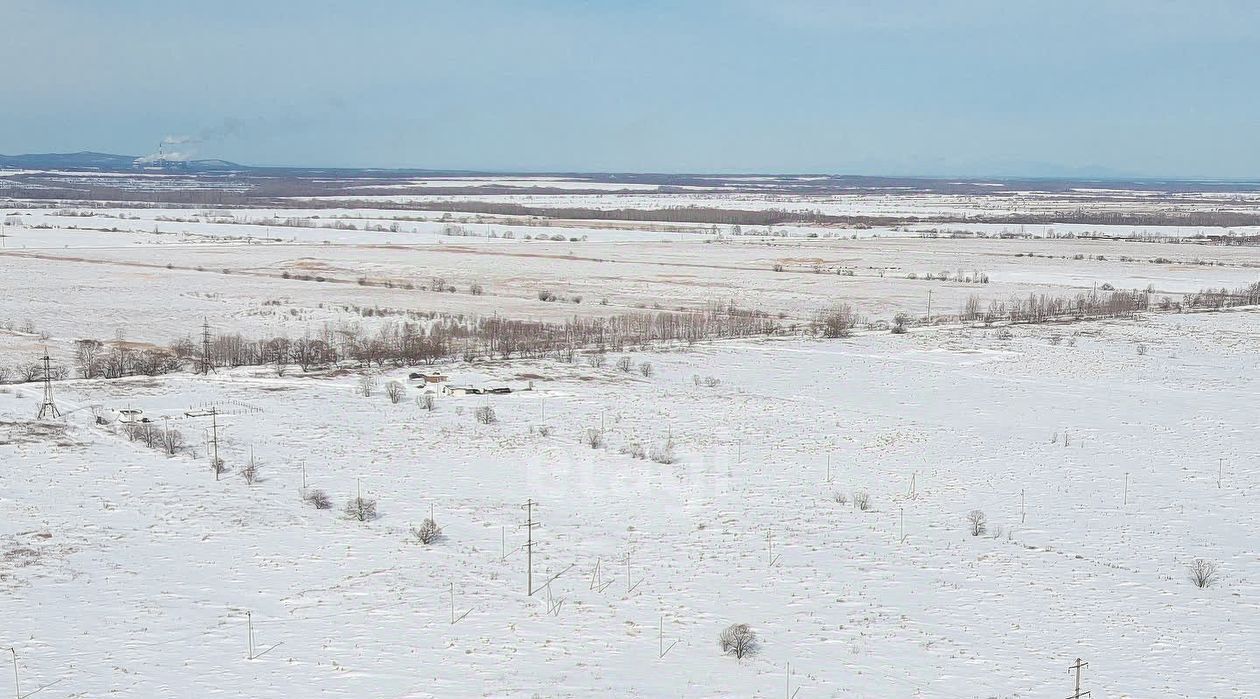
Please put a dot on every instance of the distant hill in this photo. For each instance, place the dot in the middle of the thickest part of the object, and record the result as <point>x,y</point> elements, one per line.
<point>88,160</point>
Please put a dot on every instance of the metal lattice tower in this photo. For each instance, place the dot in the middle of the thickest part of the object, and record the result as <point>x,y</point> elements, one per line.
<point>48,409</point>
<point>207,364</point>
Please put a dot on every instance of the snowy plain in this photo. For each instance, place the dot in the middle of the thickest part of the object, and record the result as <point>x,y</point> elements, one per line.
<point>1106,455</point>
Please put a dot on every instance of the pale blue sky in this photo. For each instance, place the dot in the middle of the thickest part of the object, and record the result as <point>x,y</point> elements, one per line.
<point>1141,87</point>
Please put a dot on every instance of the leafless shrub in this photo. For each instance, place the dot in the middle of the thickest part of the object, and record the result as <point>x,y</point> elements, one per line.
<point>319,500</point>
<point>218,468</point>
<point>361,508</point>
<point>738,640</point>
<point>712,381</point>
<point>427,400</point>
<point>626,364</point>
<point>485,415</point>
<point>1056,338</point>
<point>837,321</point>
<point>900,321</point>
<point>31,372</point>
<point>596,359</point>
<point>476,289</point>
<point>250,471</point>
<point>171,441</point>
<point>647,369</point>
<point>996,531</point>
<point>1141,350</point>
<point>862,500</point>
<point>428,531</point>
<point>1003,334</point>
<point>840,498</point>
<point>593,438</point>
<point>663,453</point>
<point>394,390</point>
<point>634,450</point>
<point>976,521</point>
<point>546,295</point>
<point>544,431</point>
<point>1202,572</point>
<point>367,384</point>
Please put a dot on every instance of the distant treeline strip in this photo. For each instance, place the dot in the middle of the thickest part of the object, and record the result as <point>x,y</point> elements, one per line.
<point>262,197</point>
<point>440,338</point>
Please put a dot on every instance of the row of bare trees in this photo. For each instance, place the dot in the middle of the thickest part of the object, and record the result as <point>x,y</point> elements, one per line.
<point>447,338</point>
<point>94,359</point>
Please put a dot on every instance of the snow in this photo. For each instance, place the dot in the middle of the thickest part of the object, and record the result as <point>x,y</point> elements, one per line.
<point>1106,455</point>
<point>146,565</point>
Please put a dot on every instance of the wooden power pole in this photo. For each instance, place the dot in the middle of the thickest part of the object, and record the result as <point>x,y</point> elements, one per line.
<point>1078,666</point>
<point>529,543</point>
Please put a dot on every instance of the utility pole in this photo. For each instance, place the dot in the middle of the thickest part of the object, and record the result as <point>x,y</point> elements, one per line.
<point>249,630</point>
<point>1078,665</point>
<point>214,441</point>
<point>48,408</point>
<point>17,686</point>
<point>529,543</point>
<point>929,317</point>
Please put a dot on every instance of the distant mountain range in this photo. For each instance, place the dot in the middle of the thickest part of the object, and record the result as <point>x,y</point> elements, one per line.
<point>88,160</point>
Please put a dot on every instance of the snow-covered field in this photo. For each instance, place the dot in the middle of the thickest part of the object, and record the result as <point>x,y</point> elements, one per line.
<point>1106,457</point>
<point>128,572</point>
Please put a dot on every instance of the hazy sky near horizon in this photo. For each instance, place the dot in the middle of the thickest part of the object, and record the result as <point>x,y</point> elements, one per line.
<point>1132,87</point>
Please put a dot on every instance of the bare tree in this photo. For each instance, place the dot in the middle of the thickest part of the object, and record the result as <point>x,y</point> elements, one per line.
<point>485,415</point>
<point>31,372</point>
<point>837,321</point>
<point>394,390</point>
<point>171,441</point>
<point>977,522</point>
<point>647,369</point>
<point>250,471</point>
<point>427,401</point>
<point>593,438</point>
<point>319,499</point>
<point>1202,572</point>
<point>738,640</point>
<point>428,531</point>
<point>626,364</point>
<point>596,359</point>
<point>361,508</point>
<point>367,384</point>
